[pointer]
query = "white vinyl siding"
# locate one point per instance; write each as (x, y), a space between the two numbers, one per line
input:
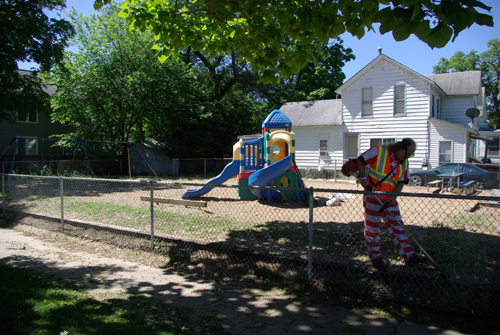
(453, 109)
(362, 126)
(382, 78)
(307, 140)
(442, 132)
(399, 100)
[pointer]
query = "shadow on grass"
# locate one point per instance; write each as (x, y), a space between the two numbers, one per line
(274, 255)
(39, 303)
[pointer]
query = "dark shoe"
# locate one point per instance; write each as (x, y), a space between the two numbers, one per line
(379, 264)
(416, 259)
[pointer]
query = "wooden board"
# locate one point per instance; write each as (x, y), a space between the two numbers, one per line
(484, 204)
(489, 204)
(183, 202)
(435, 183)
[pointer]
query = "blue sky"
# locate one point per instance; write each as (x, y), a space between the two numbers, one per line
(412, 52)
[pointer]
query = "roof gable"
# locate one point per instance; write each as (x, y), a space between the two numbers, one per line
(381, 57)
(314, 113)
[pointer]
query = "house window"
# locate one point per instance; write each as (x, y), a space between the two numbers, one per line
(493, 147)
(381, 141)
(444, 152)
(367, 102)
(31, 117)
(432, 105)
(323, 147)
(352, 146)
(438, 108)
(28, 146)
(399, 100)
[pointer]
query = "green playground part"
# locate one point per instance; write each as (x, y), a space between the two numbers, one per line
(288, 179)
(244, 193)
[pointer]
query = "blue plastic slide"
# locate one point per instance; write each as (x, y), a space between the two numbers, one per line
(229, 171)
(265, 176)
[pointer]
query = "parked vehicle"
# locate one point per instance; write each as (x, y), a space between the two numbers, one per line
(483, 178)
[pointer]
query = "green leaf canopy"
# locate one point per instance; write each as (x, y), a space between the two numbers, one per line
(261, 31)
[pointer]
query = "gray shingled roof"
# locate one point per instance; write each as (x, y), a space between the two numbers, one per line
(47, 88)
(458, 83)
(314, 113)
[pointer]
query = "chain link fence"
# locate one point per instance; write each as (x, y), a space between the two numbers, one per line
(485, 176)
(316, 240)
(117, 167)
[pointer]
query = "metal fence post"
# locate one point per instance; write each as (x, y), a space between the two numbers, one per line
(61, 185)
(152, 214)
(311, 217)
(335, 171)
(205, 166)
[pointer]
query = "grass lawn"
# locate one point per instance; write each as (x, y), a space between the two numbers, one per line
(33, 304)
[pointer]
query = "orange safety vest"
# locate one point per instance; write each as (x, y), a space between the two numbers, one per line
(379, 169)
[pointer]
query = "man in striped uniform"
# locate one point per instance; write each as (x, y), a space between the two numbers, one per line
(385, 169)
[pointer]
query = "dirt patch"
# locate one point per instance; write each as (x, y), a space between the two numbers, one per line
(250, 238)
(202, 300)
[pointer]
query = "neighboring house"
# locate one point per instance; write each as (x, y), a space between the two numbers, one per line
(387, 101)
(31, 132)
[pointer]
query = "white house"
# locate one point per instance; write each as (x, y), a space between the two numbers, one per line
(387, 101)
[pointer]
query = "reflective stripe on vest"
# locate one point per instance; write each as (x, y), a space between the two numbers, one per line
(380, 169)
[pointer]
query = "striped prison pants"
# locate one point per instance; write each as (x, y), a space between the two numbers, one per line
(372, 228)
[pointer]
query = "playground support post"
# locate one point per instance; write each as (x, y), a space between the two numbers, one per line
(311, 219)
(87, 156)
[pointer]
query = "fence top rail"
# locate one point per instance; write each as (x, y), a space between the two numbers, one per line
(311, 189)
(78, 178)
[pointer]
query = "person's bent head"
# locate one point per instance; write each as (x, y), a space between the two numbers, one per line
(403, 149)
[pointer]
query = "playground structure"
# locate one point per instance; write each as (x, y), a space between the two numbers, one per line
(266, 161)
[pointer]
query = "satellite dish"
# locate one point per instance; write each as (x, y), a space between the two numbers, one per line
(472, 113)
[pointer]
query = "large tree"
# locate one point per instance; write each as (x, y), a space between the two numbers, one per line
(490, 67)
(280, 37)
(28, 34)
(235, 103)
(489, 64)
(316, 81)
(114, 88)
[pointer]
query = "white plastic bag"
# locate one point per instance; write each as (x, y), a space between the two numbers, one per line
(333, 202)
